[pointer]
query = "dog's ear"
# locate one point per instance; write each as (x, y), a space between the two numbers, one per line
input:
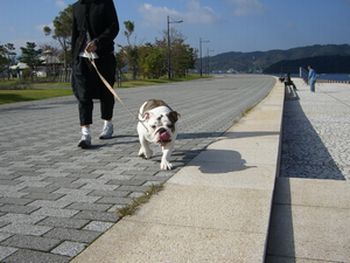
(145, 116)
(173, 116)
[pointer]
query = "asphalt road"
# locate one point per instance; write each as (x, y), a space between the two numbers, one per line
(56, 198)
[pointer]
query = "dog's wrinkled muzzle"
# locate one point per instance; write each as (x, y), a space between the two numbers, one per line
(164, 136)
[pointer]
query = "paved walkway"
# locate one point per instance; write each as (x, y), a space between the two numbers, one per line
(56, 199)
(310, 220)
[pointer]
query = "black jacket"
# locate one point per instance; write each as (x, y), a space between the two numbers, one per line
(99, 17)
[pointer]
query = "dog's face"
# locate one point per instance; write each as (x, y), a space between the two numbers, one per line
(161, 125)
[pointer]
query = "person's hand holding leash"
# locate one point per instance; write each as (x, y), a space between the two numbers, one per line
(91, 47)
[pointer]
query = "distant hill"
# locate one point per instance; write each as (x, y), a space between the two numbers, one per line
(259, 61)
(322, 64)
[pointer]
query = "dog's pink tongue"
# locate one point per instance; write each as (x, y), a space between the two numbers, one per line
(164, 136)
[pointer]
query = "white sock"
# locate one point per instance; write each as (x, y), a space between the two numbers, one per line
(107, 123)
(85, 130)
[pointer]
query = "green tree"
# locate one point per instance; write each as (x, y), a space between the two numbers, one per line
(7, 57)
(62, 33)
(31, 56)
(120, 62)
(152, 61)
(131, 50)
(183, 57)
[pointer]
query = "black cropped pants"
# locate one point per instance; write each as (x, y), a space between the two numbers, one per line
(87, 86)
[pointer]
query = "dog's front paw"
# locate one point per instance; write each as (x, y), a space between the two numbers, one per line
(165, 165)
(143, 153)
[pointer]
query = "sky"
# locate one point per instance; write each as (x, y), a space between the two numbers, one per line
(223, 25)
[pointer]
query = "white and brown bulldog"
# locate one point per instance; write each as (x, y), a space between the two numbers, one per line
(157, 124)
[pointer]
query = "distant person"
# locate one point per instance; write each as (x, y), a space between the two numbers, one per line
(312, 78)
(288, 82)
(95, 26)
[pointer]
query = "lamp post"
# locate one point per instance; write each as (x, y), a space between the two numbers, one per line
(169, 21)
(208, 56)
(201, 41)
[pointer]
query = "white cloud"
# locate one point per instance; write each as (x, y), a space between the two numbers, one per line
(198, 14)
(246, 7)
(194, 14)
(155, 15)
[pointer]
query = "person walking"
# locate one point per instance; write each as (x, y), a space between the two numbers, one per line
(95, 26)
(312, 78)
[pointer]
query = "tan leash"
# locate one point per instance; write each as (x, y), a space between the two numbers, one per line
(105, 82)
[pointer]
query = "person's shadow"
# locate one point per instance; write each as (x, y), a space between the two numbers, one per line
(304, 155)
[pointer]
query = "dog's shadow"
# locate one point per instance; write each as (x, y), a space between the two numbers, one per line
(213, 161)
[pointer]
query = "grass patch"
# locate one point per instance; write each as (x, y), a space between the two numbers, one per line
(248, 110)
(148, 82)
(137, 202)
(12, 91)
(52, 85)
(11, 96)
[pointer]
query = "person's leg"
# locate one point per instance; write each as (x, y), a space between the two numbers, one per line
(107, 69)
(82, 92)
(107, 105)
(85, 116)
(293, 85)
(85, 112)
(312, 86)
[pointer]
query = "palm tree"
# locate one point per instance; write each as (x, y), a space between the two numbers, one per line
(131, 50)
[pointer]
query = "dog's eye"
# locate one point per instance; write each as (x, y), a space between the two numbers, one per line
(153, 127)
(170, 126)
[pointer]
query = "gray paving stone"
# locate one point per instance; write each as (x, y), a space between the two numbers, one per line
(4, 236)
(2, 224)
(31, 242)
(56, 212)
(84, 236)
(114, 200)
(63, 222)
(32, 256)
(115, 193)
(70, 249)
(48, 189)
(68, 185)
(128, 182)
(60, 179)
(9, 182)
(97, 215)
(6, 251)
(19, 209)
(25, 229)
(16, 201)
(98, 226)
(100, 186)
(42, 196)
(89, 206)
(143, 188)
(21, 218)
